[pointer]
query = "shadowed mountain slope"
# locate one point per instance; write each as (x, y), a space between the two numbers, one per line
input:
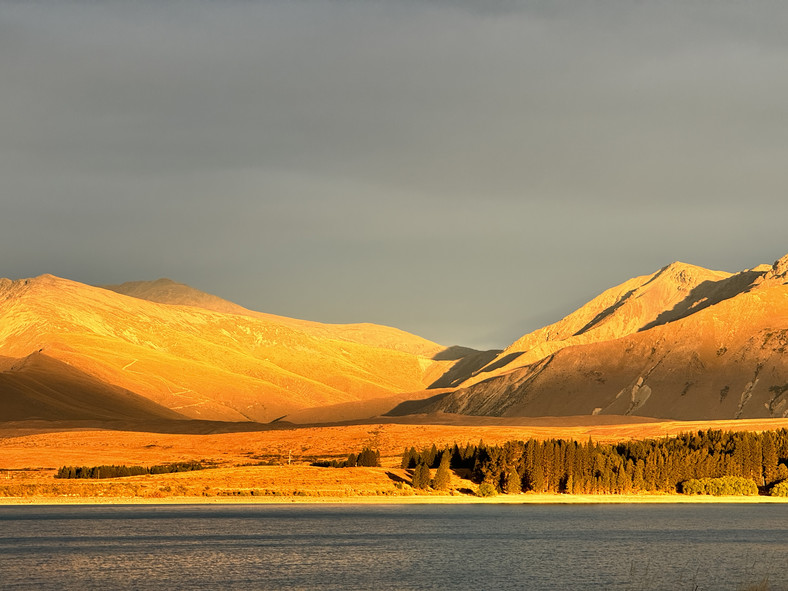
(38, 387)
(684, 343)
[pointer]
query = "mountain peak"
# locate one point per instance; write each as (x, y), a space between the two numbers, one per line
(777, 274)
(681, 273)
(780, 267)
(46, 277)
(19, 286)
(677, 266)
(167, 291)
(43, 279)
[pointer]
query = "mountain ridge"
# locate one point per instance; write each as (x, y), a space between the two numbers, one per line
(619, 310)
(717, 353)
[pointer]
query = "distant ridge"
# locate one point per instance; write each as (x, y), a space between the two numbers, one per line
(167, 291)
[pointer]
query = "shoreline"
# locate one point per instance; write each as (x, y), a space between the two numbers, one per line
(522, 499)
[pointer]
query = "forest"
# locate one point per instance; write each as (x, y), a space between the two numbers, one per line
(702, 462)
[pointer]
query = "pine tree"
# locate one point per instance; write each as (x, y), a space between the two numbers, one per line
(512, 483)
(770, 459)
(405, 462)
(429, 456)
(442, 479)
(421, 476)
(456, 457)
(468, 455)
(537, 478)
(569, 485)
(369, 458)
(638, 480)
(623, 484)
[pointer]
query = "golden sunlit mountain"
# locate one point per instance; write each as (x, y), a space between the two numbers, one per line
(683, 343)
(190, 355)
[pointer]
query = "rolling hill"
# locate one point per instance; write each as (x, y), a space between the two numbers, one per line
(193, 355)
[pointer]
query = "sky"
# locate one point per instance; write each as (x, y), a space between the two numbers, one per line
(466, 171)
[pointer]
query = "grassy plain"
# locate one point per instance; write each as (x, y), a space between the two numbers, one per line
(272, 465)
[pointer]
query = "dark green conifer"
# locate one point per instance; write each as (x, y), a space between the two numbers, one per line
(537, 478)
(421, 476)
(770, 459)
(368, 458)
(405, 462)
(512, 483)
(638, 479)
(442, 479)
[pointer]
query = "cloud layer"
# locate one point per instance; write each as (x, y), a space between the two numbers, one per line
(464, 174)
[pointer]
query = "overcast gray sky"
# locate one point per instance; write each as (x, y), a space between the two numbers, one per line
(467, 174)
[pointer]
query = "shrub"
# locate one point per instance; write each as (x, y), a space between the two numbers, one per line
(486, 489)
(726, 485)
(780, 489)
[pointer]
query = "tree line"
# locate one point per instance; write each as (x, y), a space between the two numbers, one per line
(367, 457)
(121, 471)
(652, 465)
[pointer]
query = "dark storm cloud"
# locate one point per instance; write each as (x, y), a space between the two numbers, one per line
(463, 170)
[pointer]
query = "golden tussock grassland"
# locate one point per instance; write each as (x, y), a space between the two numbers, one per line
(273, 465)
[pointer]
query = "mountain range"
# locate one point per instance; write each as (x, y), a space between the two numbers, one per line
(681, 343)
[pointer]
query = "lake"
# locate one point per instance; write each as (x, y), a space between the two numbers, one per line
(475, 547)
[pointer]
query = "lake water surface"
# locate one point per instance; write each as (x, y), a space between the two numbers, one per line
(394, 547)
